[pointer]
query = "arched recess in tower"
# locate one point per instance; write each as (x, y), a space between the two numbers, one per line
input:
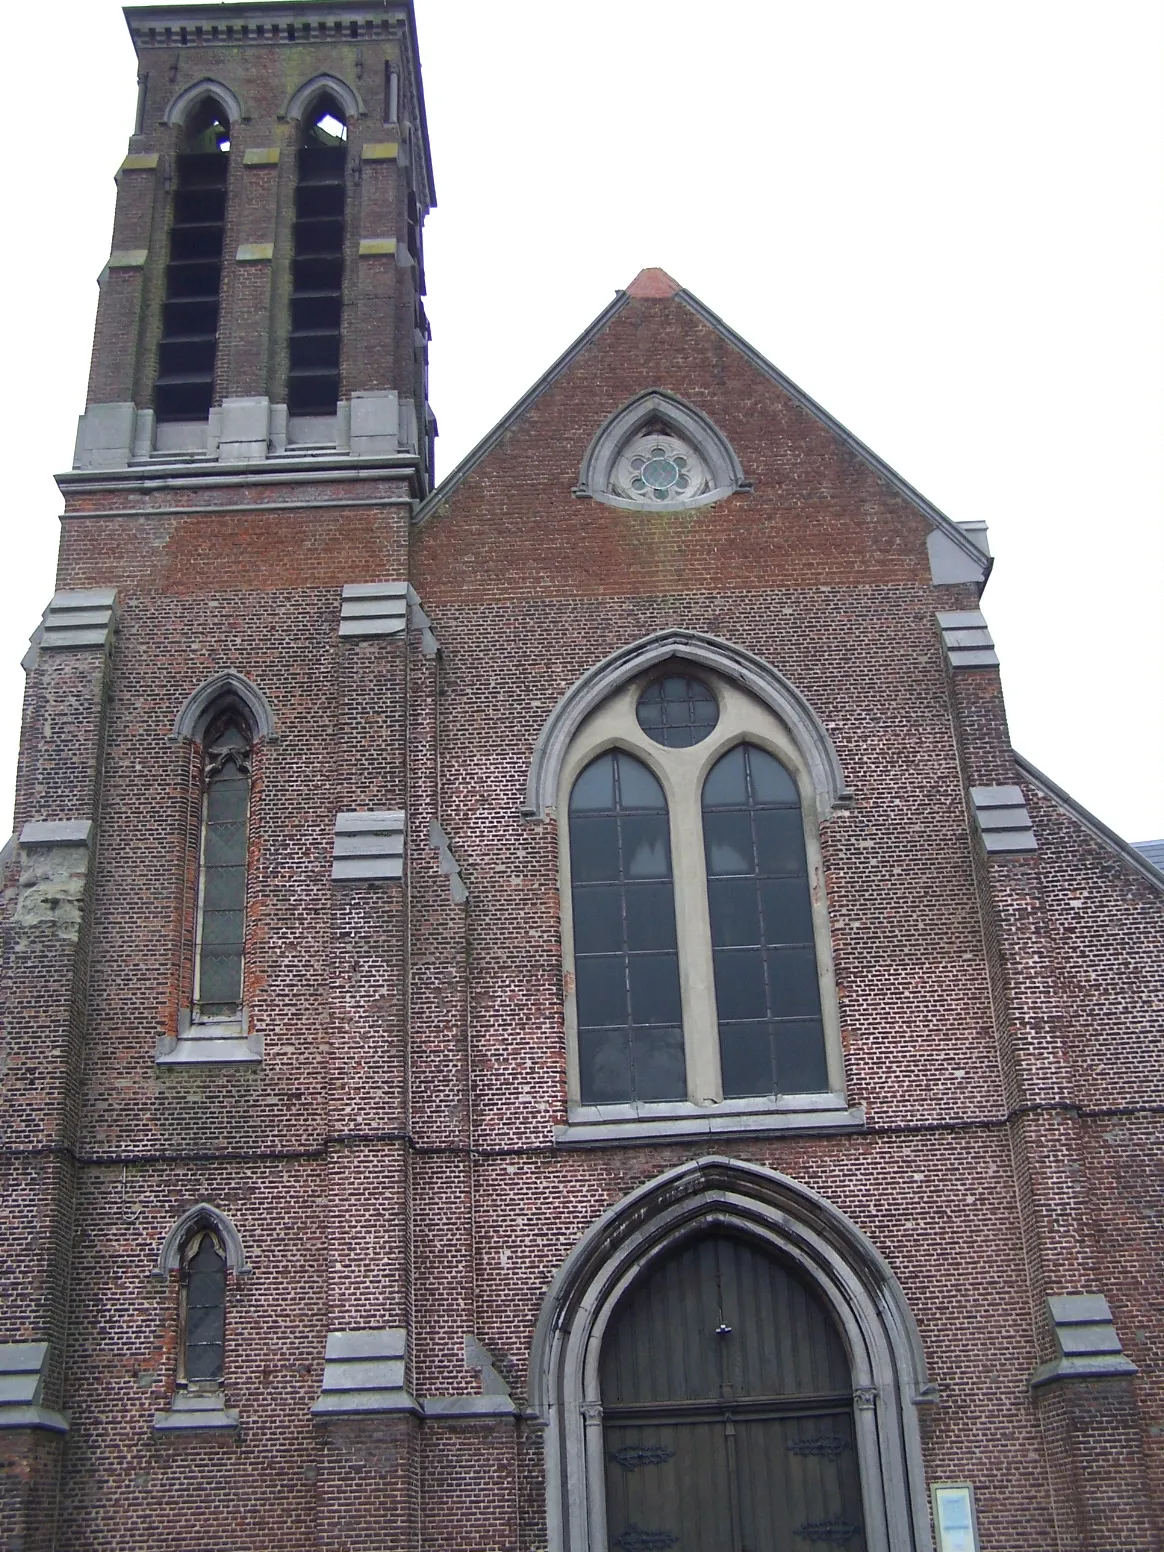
(184, 386)
(313, 356)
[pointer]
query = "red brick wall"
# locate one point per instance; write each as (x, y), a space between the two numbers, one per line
(392, 1161)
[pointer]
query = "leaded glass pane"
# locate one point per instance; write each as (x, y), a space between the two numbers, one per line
(800, 1056)
(766, 977)
(223, 880)
(626, 964)
(204, 1300)
(677, 711)
(659, 1065)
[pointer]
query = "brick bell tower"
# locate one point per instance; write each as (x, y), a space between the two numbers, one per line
(204, 929)
(263, 298)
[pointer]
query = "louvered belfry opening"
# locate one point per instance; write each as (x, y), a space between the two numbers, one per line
(184, 389)
(728, 1408)
(318, 264)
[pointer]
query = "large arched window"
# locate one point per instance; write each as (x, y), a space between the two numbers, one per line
(220, 937)
(725, 910)
(184, 387)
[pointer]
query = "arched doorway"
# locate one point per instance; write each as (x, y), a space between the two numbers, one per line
(804, 1246)
(727, 1402)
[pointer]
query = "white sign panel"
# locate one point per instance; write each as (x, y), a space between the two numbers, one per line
(954, 1518)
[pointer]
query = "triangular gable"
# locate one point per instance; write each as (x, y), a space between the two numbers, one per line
(656, 283)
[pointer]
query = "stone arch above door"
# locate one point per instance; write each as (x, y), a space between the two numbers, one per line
(808, 1234)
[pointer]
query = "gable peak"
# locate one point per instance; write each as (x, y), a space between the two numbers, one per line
(653, 282)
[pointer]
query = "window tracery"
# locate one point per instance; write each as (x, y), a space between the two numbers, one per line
(658, 452)
(660, 468)
(695, 933)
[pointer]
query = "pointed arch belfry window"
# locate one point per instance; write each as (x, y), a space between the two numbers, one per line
(659, 452)
(184, 386)
(220, 937)
(313, 356)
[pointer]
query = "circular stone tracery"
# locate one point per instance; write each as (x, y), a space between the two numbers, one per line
(659, 469)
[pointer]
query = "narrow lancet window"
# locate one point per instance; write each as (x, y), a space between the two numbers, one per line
(767, 985)
(203, 1310)
(313, 381)
(626, 962)
(184, 389)
(222, 885)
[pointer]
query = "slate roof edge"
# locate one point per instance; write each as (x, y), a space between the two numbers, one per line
(914, 496)
(1095, 827)
(491, 438)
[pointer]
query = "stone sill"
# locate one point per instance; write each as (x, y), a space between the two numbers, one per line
(614, 1125)
(187, 1412)
(209, 1043)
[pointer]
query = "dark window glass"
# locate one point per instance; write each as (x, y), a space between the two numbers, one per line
(626, 964)
(677, 711)
(203, 1308)
(767, 990)
(223, 883)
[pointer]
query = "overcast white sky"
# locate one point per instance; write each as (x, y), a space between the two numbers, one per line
(944, 220)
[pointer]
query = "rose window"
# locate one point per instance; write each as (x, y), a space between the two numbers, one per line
(659, 469)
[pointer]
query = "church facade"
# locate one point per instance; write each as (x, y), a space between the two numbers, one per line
(540, 1011)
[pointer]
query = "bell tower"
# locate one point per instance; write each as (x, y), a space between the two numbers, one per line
(203, 933)
(263, 300)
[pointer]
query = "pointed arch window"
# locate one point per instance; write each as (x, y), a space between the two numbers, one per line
(222, 874)
(698, 955)
(202, 1310)
(626, 962)
(659, 452)
(313, 365)
(767, 985)
(184, 387)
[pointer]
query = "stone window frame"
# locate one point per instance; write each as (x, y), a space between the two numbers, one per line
(612, 724)
(776, 1213)
(199, 1405)
(217, 1040)
(682, 421)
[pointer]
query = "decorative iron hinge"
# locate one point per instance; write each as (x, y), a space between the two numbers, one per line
(838, 1532)
(830, 1445)
(632, 1456)
(634, 1539)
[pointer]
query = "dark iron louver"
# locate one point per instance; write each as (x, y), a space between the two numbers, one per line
(184, 389)
(317, 281)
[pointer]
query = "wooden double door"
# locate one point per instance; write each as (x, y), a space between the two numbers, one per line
(728, 1410)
